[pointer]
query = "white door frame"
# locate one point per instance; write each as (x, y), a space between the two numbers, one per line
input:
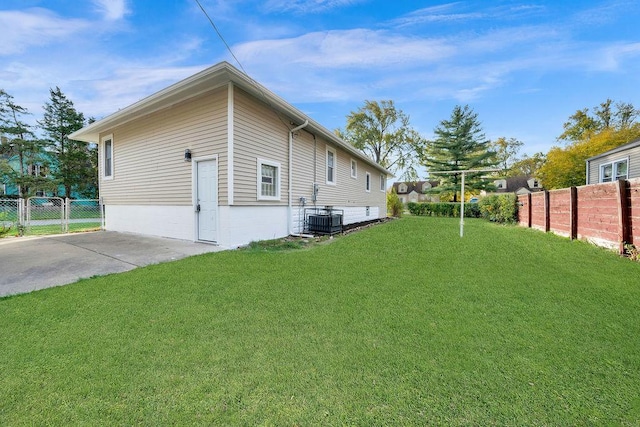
(194, 195)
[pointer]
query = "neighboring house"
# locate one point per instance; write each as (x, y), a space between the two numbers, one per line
(415, 192)
(219, 158)
(36, 170)
(622, 162)
(522, 184)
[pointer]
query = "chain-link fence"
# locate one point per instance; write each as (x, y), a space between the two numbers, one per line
(10, 214)
(49, 215)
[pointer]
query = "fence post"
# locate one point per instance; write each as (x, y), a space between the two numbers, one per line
(573, 212)
(67, 210)
(529, 210)
(623, 214)
(547, 212)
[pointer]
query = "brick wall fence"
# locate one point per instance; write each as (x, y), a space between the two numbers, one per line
(606, 214)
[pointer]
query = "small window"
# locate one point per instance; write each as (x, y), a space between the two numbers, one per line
(368, 182)
(383, 183)
(107, 154)
(614, 171)
(331, 166)
(620, 169)
(402, 188)
(268, 180)
(354, 169)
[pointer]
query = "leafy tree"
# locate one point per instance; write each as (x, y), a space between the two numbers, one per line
(18, 142)
(566, 167)
(588, 135)
(460, 144)
(506, 151)
(527, 165)
(74, 163)
(385, 135)
(582, 125)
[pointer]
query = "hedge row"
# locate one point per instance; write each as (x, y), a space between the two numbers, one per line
(471, 210)
(502, 208)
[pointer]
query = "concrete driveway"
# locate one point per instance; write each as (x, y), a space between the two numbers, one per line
(31, 263)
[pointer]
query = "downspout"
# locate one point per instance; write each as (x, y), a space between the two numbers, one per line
(290, 202)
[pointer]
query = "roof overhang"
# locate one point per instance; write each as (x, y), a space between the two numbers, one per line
(626, 146)
(204, 81)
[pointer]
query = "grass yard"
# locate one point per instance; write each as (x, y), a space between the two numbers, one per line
(399, 324)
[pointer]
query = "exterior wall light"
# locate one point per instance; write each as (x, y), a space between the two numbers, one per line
(187, 155)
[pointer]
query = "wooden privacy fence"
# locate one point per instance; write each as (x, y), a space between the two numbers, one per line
(606, 214)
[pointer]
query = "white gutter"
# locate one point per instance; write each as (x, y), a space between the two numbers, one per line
(290, 203)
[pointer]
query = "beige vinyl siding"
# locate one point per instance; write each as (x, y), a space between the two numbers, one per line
(347, 192)
(258, 133)
(633, 154)
(148, 153)
(303, 172)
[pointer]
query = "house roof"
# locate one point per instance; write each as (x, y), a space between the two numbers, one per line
(414, 186)
(517, 183)
(212, 77)
(620, 148)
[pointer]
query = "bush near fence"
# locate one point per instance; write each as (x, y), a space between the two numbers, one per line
(502, 208)
(471, 210)
(606, 214)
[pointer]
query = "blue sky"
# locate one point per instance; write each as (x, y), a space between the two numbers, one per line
(523, 66)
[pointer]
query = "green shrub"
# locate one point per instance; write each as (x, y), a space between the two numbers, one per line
(502, 208)
(5, 227)
(394, 205)
(444, 209)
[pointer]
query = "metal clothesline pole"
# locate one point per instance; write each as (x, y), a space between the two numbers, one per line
(462, 189)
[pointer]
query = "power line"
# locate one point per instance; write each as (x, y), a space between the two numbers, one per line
(220, 35)
(255, 84)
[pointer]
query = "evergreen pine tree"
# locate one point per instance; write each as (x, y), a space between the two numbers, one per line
(460, 144)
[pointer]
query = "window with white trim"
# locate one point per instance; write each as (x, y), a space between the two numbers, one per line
(368, 182)
(383, 183)
(268, 180)
(332, 161)
(354, 169)
(107, 157)
(614, 171)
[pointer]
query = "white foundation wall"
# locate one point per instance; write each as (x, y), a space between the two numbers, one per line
(176, 222)
(352, 214)
(237, 225)
(240, 225)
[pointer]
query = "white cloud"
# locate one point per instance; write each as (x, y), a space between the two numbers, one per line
(35, 27)
(307, 6)
(358, 48)
(112, 10)
(128, 85)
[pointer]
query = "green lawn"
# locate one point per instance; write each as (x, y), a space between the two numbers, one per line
(399, 324)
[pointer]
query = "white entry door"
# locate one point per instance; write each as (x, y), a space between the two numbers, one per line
(207, 200)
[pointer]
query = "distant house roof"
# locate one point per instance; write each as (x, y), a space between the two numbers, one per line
(416, 186)
(519, 184)
(624, 147)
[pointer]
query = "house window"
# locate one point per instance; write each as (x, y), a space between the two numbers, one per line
(614, 171)
(354, 169)
(368, 182)
(383, 183)
(37, 170)
(107, 154)
(331, 166)
(268, 180)
(402, 188)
